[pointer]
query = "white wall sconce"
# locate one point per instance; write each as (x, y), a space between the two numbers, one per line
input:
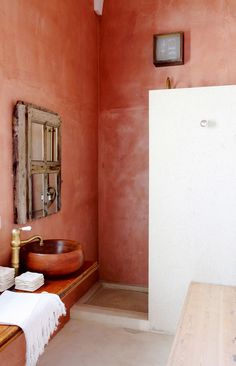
(98, 6)
(204, 123)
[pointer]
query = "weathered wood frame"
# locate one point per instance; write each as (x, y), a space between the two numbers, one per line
(23, 165)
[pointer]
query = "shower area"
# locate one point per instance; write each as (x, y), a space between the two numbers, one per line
(116, 304)
(109, 296)
(192, 210)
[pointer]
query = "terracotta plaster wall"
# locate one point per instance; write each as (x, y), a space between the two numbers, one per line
(127, 73)
(49, 56)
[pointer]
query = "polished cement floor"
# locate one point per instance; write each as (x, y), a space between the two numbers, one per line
(119, 299)
(103, 341)
(86, 343)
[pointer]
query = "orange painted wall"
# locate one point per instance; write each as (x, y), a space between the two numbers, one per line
(127, 73)
(49, 56)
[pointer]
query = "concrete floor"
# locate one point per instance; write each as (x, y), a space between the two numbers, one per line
(86, 343)
(120, 299)
(98, 332)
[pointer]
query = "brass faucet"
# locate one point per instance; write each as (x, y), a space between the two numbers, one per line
(16, 244)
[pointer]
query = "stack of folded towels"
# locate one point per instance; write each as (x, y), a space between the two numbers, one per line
(29, 281)
(6, 278)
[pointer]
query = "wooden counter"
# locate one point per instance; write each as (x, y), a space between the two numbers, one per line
(206, 334)
(69, 288)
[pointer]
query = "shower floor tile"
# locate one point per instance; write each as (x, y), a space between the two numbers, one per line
(119, 299)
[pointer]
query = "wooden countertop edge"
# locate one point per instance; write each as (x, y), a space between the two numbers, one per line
(78, 280)
(13, 331)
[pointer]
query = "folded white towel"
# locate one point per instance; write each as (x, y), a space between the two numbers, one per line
(29, 281)
(7, 284)
(29, 277)
(36, 314)
(6, 273)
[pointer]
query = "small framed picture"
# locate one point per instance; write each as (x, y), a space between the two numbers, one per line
(168, 49)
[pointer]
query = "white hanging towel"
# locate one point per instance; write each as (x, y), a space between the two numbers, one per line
(36, 314)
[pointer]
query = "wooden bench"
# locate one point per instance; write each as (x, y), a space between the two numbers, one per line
(206, 335)
(70, 289)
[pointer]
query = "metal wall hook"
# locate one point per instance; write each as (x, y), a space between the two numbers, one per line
(168, 83)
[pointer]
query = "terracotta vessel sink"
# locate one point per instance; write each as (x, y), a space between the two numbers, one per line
(56, 257)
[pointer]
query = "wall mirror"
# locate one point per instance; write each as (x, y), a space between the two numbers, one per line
(36, 162)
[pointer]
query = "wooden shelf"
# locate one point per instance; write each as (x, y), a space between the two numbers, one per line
(69, 288)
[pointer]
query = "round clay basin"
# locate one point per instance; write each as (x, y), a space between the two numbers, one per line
(56, 257)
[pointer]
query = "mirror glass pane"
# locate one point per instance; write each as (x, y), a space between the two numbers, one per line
(52, 193)
(55, 144)
(37, 150)
(52, 139)
(49, 143)
(37, 195)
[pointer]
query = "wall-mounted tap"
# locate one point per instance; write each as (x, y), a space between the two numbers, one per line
(17, 243)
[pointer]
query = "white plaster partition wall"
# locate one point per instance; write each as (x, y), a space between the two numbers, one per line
(192, 196)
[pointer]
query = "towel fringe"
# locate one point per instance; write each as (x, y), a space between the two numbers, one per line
(39, 337)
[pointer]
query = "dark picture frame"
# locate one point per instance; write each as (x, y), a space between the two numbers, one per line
(168, 49)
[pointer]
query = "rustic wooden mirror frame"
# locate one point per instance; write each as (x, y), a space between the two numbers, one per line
(25, 168)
